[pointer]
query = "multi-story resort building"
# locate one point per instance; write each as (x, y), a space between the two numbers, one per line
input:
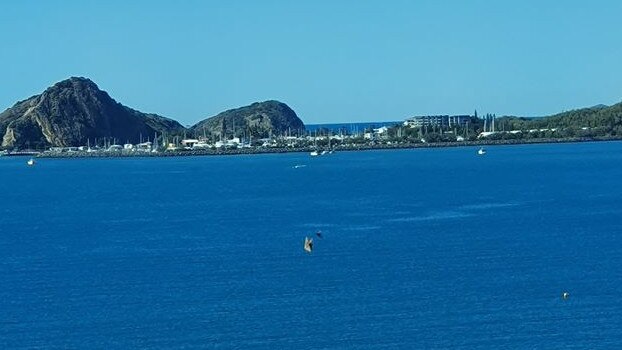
(445, 121)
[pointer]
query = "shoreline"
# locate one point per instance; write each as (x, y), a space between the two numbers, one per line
(351, 148)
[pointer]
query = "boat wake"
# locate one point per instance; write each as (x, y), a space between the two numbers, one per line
(488, 206)
(445, 215)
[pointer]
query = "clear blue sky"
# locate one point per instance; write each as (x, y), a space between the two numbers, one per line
(331, 61)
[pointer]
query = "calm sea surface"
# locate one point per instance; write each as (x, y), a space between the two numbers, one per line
(427, 248)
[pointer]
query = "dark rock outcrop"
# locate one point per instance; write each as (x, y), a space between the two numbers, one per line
(260, 119)
(72, 112)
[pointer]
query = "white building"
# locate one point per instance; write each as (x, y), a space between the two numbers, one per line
(189, 142)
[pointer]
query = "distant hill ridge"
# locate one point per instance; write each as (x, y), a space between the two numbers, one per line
(73, 111)
(607, 118)
(259, 119)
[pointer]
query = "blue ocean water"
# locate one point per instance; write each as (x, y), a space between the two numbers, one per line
(425, 248)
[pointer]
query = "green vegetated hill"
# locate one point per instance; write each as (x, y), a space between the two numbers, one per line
(599, 120)
(74, 111)
(260, 119)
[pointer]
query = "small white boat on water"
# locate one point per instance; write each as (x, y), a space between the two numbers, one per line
(308, 246)
(481, 151)
(314, 154)
(30, 162)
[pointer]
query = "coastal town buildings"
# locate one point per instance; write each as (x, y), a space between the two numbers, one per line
(448, 121)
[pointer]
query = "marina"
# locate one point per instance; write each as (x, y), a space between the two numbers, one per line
(310, 150)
